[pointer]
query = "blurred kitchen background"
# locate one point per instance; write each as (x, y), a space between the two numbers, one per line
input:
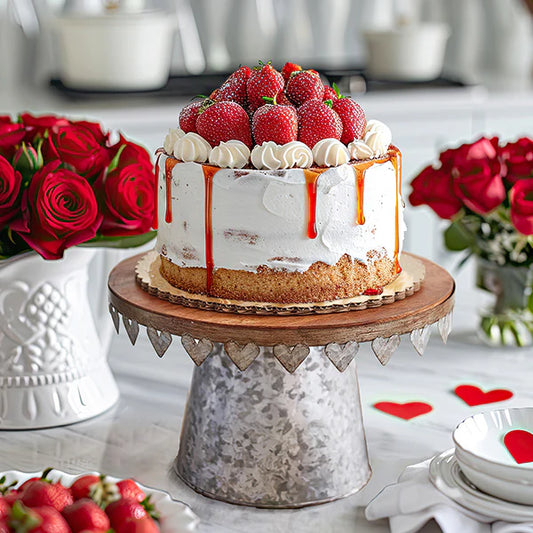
(437, 72)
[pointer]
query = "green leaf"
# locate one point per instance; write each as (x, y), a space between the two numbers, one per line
(329, 103)
(457, 237)
(128, 241)
(337, 91)
(114, 162)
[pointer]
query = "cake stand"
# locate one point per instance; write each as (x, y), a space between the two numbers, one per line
(273, 418)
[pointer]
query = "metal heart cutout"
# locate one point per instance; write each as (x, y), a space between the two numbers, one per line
(420, 339)
(445, 326)
(242, 356)
(198, 350)
(160, 340)
(341, 355)
(291, 357)
(132, 328)
(384, 348)
(114, 315)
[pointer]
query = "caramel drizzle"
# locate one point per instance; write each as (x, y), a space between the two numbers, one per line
(311, 182)
(170, 163)
(396, 160)
(155, 222)
(209, 174)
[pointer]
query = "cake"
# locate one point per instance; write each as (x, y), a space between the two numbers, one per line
(310, 210)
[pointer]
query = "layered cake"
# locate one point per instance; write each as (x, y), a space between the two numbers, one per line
(277, 189)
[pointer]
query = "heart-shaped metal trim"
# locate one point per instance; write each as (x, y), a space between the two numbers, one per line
(242, 356)
(132, 328)
(291, 357)
(160, 340)
(384, 348)
(341, 355)
(115, 317)
(198, 349)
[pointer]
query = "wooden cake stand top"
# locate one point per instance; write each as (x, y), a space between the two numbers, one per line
(432, 302)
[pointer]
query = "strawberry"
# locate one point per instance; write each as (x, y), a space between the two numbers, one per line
(264, 80)
(4, 526)
(234, 88)
(85, 514)
(282, 99)
(129, 489)
(42, 493)
(272, 122)
(317, 121)
(352, 117)
(37, 520)
(144, 525)
(304, 86)
(224, 121)
(12, 496)
(81, 488)
(288, 69)
(124, 509)
(329, 93)
(5, 507)
(188, 116)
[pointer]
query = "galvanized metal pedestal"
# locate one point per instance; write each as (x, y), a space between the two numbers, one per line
(273, 417)
(269, 438)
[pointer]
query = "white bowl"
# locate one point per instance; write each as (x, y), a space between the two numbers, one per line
(116, 51)
(407, 53)
(485, 460)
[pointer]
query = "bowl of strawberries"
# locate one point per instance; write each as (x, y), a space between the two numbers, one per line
(55, 502)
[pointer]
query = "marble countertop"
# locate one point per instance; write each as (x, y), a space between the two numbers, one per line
(139, 436)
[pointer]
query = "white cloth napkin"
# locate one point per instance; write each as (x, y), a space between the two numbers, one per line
(413, 501)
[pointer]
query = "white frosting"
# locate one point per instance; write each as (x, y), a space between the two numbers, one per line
(170, 140)
(230, 154)
(260, 217)
(295, 154)
(360, 150)
(266, 156)
(192, 147)
(330, 153)
(378, 137)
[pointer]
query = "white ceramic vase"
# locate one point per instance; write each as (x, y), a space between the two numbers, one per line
(53, 348)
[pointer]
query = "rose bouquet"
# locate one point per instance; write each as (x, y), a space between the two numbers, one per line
(65, 183)
(485, 190)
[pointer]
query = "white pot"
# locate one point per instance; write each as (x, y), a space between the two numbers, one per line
(115, 51)
(407, 53)
(53, 366)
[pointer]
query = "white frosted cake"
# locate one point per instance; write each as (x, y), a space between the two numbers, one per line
(280, 222)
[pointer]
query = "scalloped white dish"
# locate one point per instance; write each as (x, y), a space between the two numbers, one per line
(176, 517)
(484, 458)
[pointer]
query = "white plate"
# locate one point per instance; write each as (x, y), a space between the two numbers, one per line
(446, 476)
(176, 517)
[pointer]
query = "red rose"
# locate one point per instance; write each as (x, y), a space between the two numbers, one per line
(481, 149)
(76, 146)
(433, 187)
(127, 196)
(131, 153)
(10, 181)
(95, 130)
(478, 183)
(59, 210)
(11, 135)
(39, 125)
(518, 158)
(521, 196)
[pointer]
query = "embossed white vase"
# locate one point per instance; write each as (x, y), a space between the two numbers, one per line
(53, 348)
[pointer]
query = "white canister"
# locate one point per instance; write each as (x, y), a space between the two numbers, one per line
(115, 51)
(413, 52)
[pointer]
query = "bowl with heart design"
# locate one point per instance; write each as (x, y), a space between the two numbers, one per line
(495, 452)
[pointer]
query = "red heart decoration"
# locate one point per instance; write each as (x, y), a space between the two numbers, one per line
(404, 410)
(472, 395)
(520, 445)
